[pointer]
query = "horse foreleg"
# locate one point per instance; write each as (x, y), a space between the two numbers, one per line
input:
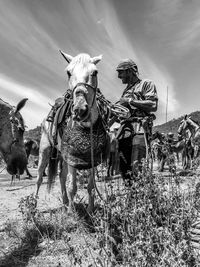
(62, 176)
(71, 188)
(161, 164)
(12, 179)
(42, 164)
(91, 192)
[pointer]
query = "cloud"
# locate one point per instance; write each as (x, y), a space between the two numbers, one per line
(37, 105)
(181, 23)
(189, 36)
(127, 46)
(20, 90)
(82, 26)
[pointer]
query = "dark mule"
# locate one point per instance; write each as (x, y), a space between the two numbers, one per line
(84, 138)
(11, 137)
(32, 148)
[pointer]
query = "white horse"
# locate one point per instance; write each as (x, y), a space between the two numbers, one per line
(84, 140)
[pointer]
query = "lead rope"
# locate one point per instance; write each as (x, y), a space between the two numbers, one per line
(92, 158)
(148, 151)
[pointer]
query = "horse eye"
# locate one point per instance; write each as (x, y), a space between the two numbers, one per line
(69, 74)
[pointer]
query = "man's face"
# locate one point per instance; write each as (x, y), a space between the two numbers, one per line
(127, 76)
(123, 75)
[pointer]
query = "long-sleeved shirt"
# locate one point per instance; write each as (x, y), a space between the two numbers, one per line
(142, 90)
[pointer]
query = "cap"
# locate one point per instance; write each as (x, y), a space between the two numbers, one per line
(127, 64)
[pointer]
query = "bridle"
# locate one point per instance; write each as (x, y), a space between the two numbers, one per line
(15, 123)
(182, 128)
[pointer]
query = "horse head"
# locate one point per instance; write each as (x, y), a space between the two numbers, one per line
(183, 126)
(82, 79)
(11, 137)
(187, 127)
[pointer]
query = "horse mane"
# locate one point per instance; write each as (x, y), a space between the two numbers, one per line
(194, 121)
(2, 102)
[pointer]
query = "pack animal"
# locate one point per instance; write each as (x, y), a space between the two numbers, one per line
(84, 138)
(12, 137)
(188, 125)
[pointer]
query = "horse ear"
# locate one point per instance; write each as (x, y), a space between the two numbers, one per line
(20, 105)
(96, 60)
(185, 116)
(67, 57)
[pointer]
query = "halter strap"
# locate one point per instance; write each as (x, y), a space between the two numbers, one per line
(14, 123)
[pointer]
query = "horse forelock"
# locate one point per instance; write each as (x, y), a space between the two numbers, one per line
(83, 60)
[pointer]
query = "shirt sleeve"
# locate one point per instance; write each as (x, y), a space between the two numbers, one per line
(149, 90)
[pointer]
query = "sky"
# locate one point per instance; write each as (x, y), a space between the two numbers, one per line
(161, 36)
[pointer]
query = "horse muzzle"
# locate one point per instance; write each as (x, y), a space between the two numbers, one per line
(80, 110)
(16, 164)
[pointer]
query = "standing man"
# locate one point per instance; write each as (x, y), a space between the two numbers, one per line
(140, 97)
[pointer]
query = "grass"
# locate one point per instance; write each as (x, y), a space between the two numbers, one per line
(147, 224)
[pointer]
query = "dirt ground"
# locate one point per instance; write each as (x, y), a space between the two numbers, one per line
(10, 194)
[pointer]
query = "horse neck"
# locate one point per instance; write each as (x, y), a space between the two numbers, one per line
(4, 115)
(5, 126)
(192, 127)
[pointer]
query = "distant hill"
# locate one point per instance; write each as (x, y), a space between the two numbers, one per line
(172, 126)
(33, 133)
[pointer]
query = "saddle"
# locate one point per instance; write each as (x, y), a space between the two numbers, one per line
(61, 109)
